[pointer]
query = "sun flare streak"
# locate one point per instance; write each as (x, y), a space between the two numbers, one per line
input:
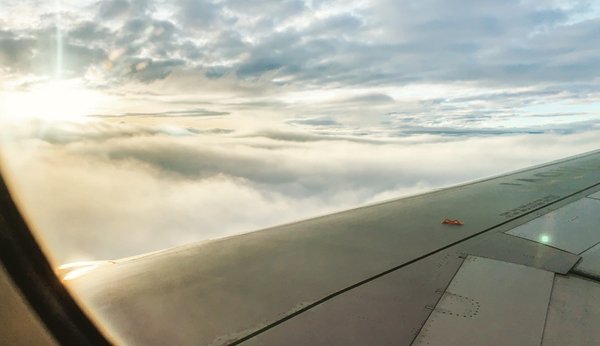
(59, 41)
(74, 270)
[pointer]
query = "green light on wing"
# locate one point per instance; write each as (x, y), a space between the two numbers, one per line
(544, 238)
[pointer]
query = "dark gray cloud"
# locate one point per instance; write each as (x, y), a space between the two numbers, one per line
(344, 25)
(147, 70)
(371, 98)
(89, 32)
(113, 8)
(326, 122)
(198, 112)
(303, 136)
(198, 14)
(14, 51)
(95, 132)
(116, 9)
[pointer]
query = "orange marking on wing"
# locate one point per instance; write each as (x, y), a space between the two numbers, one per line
(452, 222)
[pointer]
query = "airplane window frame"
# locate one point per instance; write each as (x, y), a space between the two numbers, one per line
(32, 274)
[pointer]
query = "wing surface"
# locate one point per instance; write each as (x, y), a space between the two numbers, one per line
(390, 273)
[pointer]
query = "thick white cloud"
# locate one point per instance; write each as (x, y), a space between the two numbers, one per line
(110, 190)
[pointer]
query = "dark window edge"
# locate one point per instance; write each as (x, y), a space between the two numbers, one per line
(31, 272)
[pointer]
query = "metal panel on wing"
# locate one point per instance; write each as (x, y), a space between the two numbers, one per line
(504, 247)
(572, 228)
(590, 262)
(490, 302)
(574, 313)
(595, 195)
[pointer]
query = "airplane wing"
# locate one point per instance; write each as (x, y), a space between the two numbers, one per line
(516, 263)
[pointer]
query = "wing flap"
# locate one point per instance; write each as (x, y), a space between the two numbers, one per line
(590, 263)
(490, 302)
(503, 247)
(574, 313)
(572, 228)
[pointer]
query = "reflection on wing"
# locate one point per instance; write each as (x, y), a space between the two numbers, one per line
(370, 275)
(74, 270)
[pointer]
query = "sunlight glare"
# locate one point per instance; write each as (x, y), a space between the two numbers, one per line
(74, 270)
(544, 238)
(53, 101)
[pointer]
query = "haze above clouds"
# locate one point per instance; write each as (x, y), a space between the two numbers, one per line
(201, 119)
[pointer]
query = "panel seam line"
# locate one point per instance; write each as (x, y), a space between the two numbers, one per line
(548, 309)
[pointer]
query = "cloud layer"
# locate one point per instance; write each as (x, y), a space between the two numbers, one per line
(105, 190)
(218, 117)
(321, 43)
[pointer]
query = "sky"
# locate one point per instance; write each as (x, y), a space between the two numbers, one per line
(131, 126)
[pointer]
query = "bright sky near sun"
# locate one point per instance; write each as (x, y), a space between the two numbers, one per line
(467, 61)
(284, 108)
